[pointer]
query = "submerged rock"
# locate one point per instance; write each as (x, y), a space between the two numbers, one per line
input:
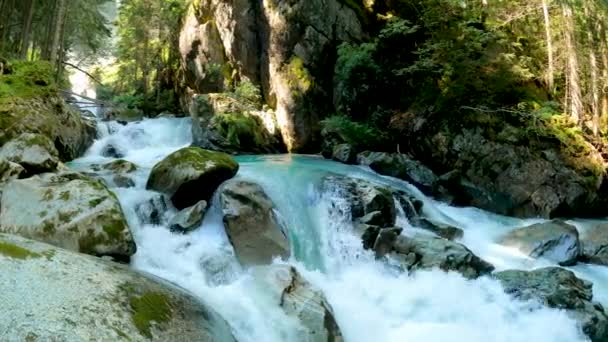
(251, 223)
(188, 219)
(556, 241)
(422, 252)
(556, 287)
(301, 300)
(152, 210)
(111, 151)
(50, 294)
(401, 166)
(595, 244)
(441, 230)
(191, 174)
(120, 166)
(68, 210)
(35, 152)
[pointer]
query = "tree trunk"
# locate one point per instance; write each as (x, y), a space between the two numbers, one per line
(573, 84)
(5, 21)
(593, 68)
(27, 28)
(45, 53)
(56, 37)
(550, 67)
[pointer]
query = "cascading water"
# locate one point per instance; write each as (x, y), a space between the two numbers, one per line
(371, 300)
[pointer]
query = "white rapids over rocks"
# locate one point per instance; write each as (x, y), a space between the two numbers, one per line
(371, 301)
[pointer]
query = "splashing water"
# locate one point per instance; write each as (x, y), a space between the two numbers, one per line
(371, 300)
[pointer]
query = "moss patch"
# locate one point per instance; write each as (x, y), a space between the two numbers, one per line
(13, 251)
(27, 80)
(150, 307)
(299, 76)
(240, 129)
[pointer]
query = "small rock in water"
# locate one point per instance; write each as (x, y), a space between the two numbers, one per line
(386, 240)
(444, 231)
(123, 181)
(595, 244)
(152, 210)
(188, 219)
(111, 152)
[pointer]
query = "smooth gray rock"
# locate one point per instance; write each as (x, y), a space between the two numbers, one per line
(188, 219)
(595, 244)
(35, 152)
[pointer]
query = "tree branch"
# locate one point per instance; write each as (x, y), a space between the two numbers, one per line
(84, 72)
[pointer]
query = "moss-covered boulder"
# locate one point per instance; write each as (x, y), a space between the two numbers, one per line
(9, 171)
(35, 152)
(191, 174)
(29, 103)
(68, 210)
(120, 166)
(51, 294)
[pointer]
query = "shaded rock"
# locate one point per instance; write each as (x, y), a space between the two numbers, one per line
(35, 152)
(152, 211)
(191, 174)
(188, 219)
(344, 153)
(9, 171)
(428, 252)
(120, 166)
(122, 181)
(556, 287)
(369, 234)
(111, 152)
(441, 230)
(401, 166)
(411, 206)
(556, 241)
(594, 242)
(386, 240)
(50, 294)
(375, 218)
(68, 210)
(252, 224)
(124, 115)
(301, 300)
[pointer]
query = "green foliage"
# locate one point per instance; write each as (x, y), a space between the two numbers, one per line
(359, 135)
(248, 92)
(240, 129)
(27, 80)
(150, 307)
(13, 251)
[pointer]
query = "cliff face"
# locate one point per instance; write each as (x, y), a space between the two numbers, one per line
(287, 48)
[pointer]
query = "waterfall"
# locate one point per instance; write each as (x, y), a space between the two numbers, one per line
(372, 300)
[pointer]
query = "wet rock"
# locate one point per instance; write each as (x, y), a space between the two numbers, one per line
(375, 218)
(386, 240)
(111, 152)
(251, 223)
(595, 244)
(429, 252)
(188, 219)
(401, 166)
(68, 210)
(300, 300)
(152, 211)
(344, 153)
(122, 181)
(120, 166)
(556, 241)
(191, 174)
(369, 234)
(411, 206)
(441, 230)
(35, 152)
(9, 171)
(51, 294)
(556, 287)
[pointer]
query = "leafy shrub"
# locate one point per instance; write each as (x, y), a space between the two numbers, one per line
(248, 92)
(360, 135)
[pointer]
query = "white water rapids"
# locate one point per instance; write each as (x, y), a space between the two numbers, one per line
(371, 301)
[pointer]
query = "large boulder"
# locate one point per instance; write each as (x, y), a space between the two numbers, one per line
(50, 294)
(68, 210)
(594, 241)
(422, 252)
(191, 174)
(251, 223)
(288, 48)
(225, 122)
(556, 241)
(69, 132)
(35, 152)
(401, 166)
(556, 287)
(300, 300)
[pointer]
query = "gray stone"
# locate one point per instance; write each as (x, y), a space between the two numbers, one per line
(595, 244)
(556, 241)
(251, 223)
(9, 171)
(68, 210)
(188, 219)
(50, 294)
(35, 152)
(344, 153)
(441, 230)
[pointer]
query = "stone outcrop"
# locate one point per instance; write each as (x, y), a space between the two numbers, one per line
(188, 219)
(191, 174)
(559, 288)
(594, 241)
(251, 223)
(556, 241)
(68, 210)
(35, 152)
(50, 294)
(287, 48)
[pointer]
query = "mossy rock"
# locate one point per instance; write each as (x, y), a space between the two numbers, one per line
(120, 166)
(35, 152)
(68, 210)
(191, 174)
(58, 295)
(9, 171)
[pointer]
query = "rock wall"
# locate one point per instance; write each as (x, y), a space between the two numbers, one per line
(287, 48)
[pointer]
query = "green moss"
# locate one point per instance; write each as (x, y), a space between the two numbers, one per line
(13, 251)
(115, 229)
(48, 228)
(240, 129)
(27, 80)
(121, 333)
(299, 76)
(50, 254)
(95, 202)
(150, 307)
(65, 196)
(197, 158)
